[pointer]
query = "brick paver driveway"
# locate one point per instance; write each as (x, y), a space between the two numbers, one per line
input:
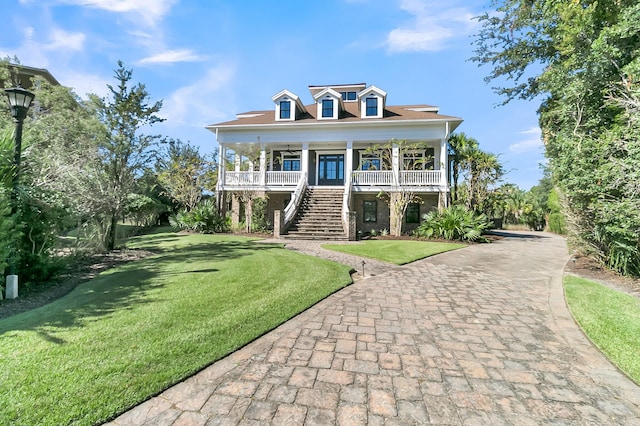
(476, 336)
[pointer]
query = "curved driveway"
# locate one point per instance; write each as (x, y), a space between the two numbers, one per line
(475, 336)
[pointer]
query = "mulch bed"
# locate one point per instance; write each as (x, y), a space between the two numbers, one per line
(588, 268)
(77, 272)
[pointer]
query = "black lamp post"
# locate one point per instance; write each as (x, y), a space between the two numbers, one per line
(20, 101)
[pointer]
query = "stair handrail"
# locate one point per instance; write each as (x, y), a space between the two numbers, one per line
(296, 198)
(346, 202)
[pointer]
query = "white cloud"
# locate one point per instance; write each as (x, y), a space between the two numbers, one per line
(432, 26)
(60, 39)
(532, 141)
(196, 103)
(150, 11)
(171, 56)
(83, 83)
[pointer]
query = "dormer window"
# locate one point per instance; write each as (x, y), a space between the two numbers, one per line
(285, 110)
(288, 106)
(329, 104)
(327, 108)
(372, 107)
(349, 96)
(372, 101)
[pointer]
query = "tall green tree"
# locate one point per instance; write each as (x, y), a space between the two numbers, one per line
(185, 174)
(125, 150)
(460, 148)
(582, 59)
(399, 196)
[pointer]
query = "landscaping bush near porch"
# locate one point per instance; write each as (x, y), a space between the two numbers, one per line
(137, 329)
(454, 223)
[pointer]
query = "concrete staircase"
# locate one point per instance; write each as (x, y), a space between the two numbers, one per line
(319, 216)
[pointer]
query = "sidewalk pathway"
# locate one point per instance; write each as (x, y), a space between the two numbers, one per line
(475, 336)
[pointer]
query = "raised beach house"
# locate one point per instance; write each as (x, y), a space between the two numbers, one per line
(329, 169)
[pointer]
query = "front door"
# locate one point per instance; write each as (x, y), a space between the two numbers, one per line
(331, 169)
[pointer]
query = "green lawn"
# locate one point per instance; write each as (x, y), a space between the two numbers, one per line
(399, 252)
(610, 318)
(137, 329)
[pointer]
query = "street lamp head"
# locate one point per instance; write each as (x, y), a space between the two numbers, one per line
(20, 101)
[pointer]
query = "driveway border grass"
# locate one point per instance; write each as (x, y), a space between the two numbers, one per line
(135, 330)
(610, 319)
(399, 252)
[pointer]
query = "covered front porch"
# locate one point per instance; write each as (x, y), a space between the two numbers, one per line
(264, 167)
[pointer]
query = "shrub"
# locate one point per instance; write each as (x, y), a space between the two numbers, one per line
(453, 223)
(259, 222)
(557, 223)
(203, 218)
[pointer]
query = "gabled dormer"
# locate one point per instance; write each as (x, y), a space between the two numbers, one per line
(329, 104)
(289, 107)
(372, 102)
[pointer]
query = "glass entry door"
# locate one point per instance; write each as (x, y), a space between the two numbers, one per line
(331, 169)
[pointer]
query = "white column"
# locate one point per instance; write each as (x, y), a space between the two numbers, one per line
(348, 160)
(304, 160)
(395, 163)
(444, 159)
(263, 165)
(237, 162)
(222, 151)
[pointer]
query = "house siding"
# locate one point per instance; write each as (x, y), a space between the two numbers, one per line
(428, 204)
(276, 201)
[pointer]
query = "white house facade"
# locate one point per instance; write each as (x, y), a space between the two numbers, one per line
(322, 168)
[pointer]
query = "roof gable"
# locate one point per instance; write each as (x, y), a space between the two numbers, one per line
(283, 96)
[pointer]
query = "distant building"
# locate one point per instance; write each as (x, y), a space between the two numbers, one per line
(315, 162)
(22, 75)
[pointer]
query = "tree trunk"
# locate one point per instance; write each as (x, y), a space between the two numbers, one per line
(111, 235)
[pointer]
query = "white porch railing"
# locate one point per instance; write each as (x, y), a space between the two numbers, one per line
(346, 202)
(242, 178)
(296, 197)
(253, 178)
(407, 177)
(372, 178)
(358, 178)
(420, 177)
(283, 178)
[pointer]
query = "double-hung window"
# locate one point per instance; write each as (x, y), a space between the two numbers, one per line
(370, 210)
(327, 108)
(370, 162)
(413, 213)
(372, 107)
(285, 110)
(418, 160)
(291, 163)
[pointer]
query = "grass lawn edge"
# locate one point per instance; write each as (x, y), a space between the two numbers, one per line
(227, 357)
(596, 343)
(340, 280)
(405, 261)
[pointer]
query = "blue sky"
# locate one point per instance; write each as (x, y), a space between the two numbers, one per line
(210, 59)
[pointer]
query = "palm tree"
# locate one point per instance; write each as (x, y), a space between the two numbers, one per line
(484, 171)
(461, 147)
